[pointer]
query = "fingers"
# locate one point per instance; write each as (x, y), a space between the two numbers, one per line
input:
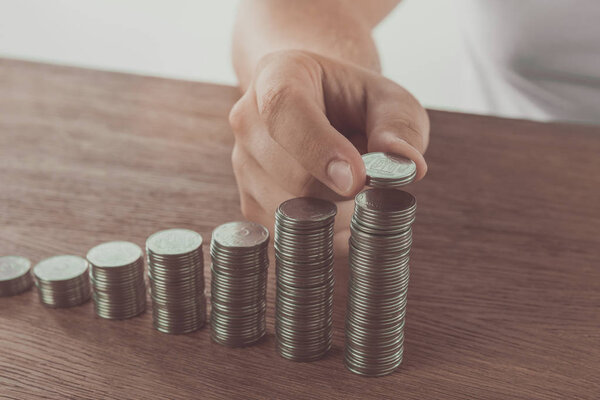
(294, 118)
(397, 123)
(251, 134)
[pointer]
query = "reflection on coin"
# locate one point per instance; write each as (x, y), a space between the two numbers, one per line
(388, 170)
(174, 241)
(114, 254)
(15, 275)
(62, 281)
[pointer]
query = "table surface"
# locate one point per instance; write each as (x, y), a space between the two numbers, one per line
(504, 299)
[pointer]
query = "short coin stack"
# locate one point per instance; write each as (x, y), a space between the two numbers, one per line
(118, 280)
(15, 275)
(176, 272)
(389, 171)
(240, 263)
(62, 281)
(379, 253)
(304, 269)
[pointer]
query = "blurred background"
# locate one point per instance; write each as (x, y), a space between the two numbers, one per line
(420, 43)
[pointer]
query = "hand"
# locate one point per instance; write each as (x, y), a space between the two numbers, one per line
(302, 125)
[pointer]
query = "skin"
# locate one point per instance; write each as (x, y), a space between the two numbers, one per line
(315, 100)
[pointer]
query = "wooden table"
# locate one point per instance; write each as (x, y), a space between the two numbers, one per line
(504, 300)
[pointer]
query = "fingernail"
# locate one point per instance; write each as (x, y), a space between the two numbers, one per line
(340, 174)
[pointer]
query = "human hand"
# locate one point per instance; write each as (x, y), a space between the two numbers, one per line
(302, 125)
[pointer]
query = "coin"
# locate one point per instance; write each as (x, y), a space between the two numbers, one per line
(388, 170)
(114, 254)
(62, 281)
(176, 273)
(304, 277)
(15, 275)
(174, 242)
(240, 262)
(117, 275)
(379, 248)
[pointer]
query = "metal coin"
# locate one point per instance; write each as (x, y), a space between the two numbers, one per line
(15, 276)
(389, 170)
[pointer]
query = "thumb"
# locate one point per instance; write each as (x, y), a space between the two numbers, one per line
(397, 123)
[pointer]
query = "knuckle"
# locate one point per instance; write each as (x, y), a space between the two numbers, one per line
(235, 117)
(272, 101)
(236, 160)
(245, 205)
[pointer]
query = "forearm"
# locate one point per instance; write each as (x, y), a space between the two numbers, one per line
(334, 28)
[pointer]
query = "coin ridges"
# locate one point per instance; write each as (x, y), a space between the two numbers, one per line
(239, 268)
(117, 275)
(379, 247)
(62, 281)
(387, 170)
(15, 276)
(176, 273)
(304, 276)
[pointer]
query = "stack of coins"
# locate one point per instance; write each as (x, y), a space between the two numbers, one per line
(304, 269)
(379, 253)
(389, 171)
(15, 276)
(118, 280)
(240, 262)
(62, 281)
(176, 272)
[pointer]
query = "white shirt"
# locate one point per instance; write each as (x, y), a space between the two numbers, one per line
(536, 59)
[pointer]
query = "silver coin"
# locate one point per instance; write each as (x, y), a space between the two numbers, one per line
(385, 200)
(307, 209)
(114, 254)
(174, 242)
(60, 268)
(176, 274)
(379, 247)
(304, 276)
(15, 276)
(240, 234)
(62, 281)
(386, 169)
(13, 267)
(239, 255)
(117, 276)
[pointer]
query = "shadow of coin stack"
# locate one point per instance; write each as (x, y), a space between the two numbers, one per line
(62, 281)
(118, 280)
(240, 263)
(380, 242)
(15, 275)
(176, 272)
(305, 280)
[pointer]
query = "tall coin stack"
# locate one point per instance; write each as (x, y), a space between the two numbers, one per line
(176, 272)
(380, 242)
(304, 269)
(118, 280)
(15, 275)
(62, 281)
(240, 263)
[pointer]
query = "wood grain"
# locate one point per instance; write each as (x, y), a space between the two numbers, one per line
(504, 300)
